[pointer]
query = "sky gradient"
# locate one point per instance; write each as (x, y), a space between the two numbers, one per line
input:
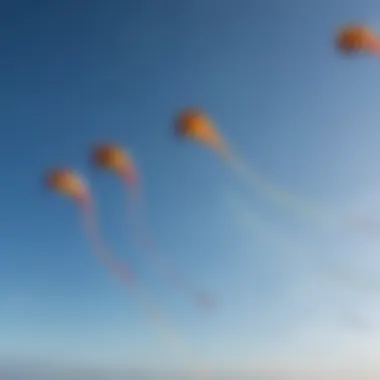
(74, 73)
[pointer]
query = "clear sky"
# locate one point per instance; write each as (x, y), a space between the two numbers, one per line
(76, 72)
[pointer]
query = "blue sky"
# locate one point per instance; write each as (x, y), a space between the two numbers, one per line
(73, 73)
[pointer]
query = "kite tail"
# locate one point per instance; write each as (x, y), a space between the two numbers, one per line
(118, 268)
(361, 224)
(274, 193)
(150, 249)
(124, 273)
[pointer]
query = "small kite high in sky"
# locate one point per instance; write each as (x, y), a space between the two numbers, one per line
(193, 124)
(354, 39)
(115, 159)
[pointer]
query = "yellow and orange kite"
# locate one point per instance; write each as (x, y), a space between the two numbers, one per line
(355, 39)
(68, 183)
(193, 124)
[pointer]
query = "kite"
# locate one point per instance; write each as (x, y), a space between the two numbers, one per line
(68, 183)
(193, 124)
(114, 159)
(355, 39)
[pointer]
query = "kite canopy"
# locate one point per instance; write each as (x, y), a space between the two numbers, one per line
(195, 125)
(114, 158)
(357, 38)
(67, 183)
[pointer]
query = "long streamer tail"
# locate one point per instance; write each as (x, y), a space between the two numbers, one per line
(297, 205)
(124, 273)
(153, 254)
(274, 193)
(320, 265)
(101, 250)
